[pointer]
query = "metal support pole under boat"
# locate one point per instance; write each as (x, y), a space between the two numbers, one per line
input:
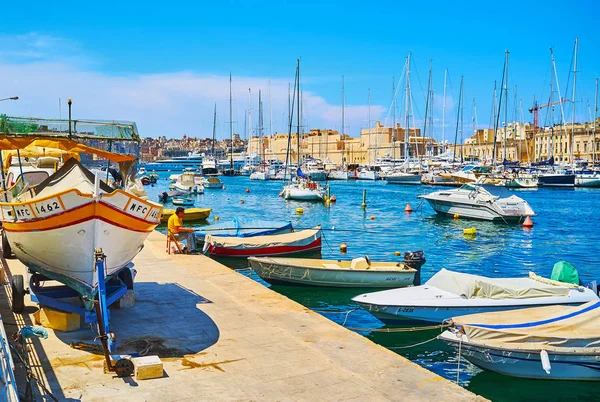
(123, 367)
(3, 178)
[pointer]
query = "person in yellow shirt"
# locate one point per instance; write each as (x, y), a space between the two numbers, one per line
(175, 227)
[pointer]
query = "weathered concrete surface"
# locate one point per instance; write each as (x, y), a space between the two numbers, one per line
(227, 338)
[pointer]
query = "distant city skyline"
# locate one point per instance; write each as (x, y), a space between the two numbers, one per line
(165, 68)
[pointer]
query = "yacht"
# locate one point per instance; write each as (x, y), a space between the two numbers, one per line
(475, 202)
(209, 167)
(176, 164)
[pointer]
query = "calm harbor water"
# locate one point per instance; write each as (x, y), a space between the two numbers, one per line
(566, 227)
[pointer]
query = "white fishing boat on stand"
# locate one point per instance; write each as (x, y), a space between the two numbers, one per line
(75, 229)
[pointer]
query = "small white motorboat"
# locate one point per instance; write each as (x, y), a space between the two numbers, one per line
(213, 182)
(553, 342)
(475, 202)
(449, 294)
(367, 174)
(337, 174)
(259, 175)
(183, 201)
(358, 273)
(186, 183)
(400, 177)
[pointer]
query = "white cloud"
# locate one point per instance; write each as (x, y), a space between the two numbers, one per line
(32, 67)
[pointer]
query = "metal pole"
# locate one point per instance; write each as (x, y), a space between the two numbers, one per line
(69, 102)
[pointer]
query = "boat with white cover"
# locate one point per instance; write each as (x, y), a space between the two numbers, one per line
(449, 294)
(475, 202)
(550, 343)
(360, 272)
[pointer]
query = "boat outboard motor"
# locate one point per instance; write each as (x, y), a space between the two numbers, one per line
(415, 259)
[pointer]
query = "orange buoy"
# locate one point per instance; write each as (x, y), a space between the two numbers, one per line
(408, 209)
(333, 199)
(247, 190)
(528, 223)
(372, 218)
(281, 194)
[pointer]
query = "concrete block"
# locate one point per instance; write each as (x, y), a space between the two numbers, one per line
(128, 299)
(147, 367)
(57, 320)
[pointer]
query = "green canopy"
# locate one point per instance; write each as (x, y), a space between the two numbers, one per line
(565, 272)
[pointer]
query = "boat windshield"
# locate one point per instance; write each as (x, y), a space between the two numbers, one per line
(469, 187)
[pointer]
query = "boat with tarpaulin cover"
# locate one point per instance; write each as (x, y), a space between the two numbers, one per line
(552, 342)
(281, 244)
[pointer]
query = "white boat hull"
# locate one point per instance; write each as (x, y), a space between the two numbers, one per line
(292, 192)
(337, 175)
(367, 175)
(342, 278)
(527, 364)
(259, 176)
(587, 180)
(69, 251)
(405, 178)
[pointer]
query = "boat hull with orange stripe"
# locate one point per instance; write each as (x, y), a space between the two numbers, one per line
(56, 235)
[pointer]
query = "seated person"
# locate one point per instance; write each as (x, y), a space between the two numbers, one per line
(175, 227)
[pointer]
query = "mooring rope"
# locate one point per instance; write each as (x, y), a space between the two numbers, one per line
(413, 345)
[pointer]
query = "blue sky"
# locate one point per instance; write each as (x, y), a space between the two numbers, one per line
(164, 65)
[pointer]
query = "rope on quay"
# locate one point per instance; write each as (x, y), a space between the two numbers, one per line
(401, 329)
(413, 345)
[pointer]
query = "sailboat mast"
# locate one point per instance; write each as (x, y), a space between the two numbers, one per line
(343, 122)
(595, 119)
(394, 121)
(427, 101)
(250, 126)
(560, 99)
(458, 120)
(369, 119)
(262, 130)
(214, 130)
(505, 102)
(444, 111)
(462, 113)
(572, 145)
(406, 129)
(231, 123)
(298, 112)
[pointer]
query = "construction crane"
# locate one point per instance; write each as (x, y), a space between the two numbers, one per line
(537, 107)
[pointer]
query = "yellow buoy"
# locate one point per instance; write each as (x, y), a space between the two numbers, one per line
(397, 253)
(216, 217)
(456, 216)
(343, 247)
(372, 218)
(299, 211)
(470, 231)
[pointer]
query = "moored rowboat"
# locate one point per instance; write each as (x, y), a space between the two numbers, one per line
(191, 214)
(281, 244)
(358, 273)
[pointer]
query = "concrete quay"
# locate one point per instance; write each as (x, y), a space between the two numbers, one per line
(223, 337)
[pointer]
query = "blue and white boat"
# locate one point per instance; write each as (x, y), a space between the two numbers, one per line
(243, 228)
(553, 343)
(176, 164)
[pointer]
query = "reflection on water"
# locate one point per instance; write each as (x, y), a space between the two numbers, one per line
(565, 228)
